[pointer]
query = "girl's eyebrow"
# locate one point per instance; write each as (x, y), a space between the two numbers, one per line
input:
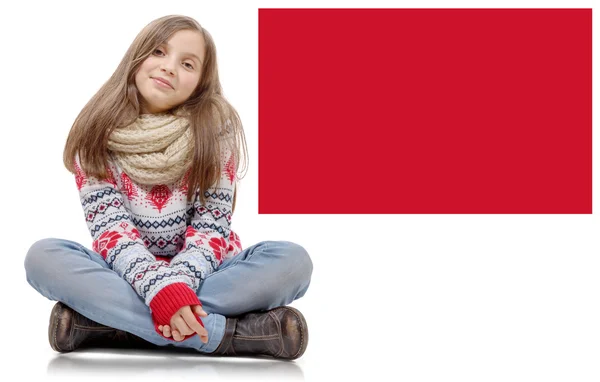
(188, 53)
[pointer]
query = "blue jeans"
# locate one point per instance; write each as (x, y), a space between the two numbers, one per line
(264, 276)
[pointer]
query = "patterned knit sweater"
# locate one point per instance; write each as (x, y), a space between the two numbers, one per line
(162, 245)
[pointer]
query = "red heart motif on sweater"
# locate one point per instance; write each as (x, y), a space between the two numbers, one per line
(218, 245)
(105, 242)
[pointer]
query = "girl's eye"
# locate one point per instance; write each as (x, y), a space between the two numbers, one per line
(187, 63)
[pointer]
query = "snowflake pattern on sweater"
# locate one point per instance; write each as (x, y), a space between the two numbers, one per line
(162, 245)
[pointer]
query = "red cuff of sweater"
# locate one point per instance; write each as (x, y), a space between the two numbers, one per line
(169, 300)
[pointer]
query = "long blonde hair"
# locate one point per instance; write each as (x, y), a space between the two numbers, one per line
(117, 104)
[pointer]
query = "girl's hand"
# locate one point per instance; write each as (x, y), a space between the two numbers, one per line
(183, 323)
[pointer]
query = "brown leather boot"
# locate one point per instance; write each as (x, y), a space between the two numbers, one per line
(280, 333)
(70, 330)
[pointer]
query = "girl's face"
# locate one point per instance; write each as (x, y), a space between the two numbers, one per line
(178, 63)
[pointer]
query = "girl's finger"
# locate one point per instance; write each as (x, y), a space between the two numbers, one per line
(181, 326)
(192, 322)
(176, 335)
(199, 311)
(167, 331)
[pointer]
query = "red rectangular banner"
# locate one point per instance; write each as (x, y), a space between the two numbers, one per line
(426, 111)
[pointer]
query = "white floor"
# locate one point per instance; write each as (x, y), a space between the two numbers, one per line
(158, 365)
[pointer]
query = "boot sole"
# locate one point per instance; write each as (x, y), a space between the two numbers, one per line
(303, 333)
(57, 311)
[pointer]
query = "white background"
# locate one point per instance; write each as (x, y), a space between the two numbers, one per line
(402, 297)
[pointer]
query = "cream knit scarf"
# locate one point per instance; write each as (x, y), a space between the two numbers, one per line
(154, 149)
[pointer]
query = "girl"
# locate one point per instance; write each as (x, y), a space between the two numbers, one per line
(155, 154)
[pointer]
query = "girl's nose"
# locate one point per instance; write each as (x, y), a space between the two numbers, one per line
(167, 70)
(167, 67)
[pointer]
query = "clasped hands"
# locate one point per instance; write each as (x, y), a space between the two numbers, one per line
(184, 322)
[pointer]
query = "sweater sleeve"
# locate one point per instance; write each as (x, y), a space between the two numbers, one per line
(209, 239)
(164, 289)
